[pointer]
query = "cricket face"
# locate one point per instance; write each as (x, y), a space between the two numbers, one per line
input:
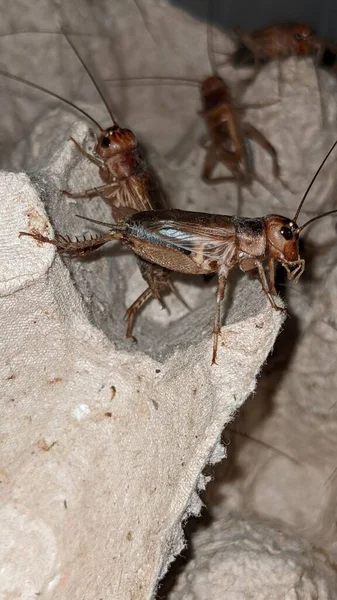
(115, 140)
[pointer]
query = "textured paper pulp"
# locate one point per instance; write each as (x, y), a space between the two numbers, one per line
(103, 443)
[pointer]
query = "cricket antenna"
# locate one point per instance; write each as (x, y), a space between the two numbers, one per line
(309, 188)
(330, 212)
(89, 73)
(154, 81)
(111, 226)
(53, 94)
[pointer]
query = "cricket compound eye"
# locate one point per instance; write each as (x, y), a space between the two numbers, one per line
(105, 143)
(287, 233)
(298, 36)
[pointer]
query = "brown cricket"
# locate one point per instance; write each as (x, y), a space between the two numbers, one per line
(277, 42)
(200, 244)
(229, 135)
(128, 182)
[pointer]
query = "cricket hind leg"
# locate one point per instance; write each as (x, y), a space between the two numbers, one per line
(251, 133)
(211, 161)
(65, 245)
(258, 137)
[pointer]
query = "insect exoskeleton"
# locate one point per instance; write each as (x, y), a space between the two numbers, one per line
(201, 243)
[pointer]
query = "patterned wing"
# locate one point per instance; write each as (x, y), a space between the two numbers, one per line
(140, 193)
(200, 235)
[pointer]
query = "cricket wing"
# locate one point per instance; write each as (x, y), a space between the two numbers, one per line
(212, 242)
(140, 192)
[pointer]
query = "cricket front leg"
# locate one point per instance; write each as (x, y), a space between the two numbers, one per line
(220, 292)
(97, 161)
(271, 276)
(266, 288)
(91, 193)
(65, 245)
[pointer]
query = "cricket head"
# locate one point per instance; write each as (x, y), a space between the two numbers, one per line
(115, 140)
(302, 39)
(214, 91)
(282, 235)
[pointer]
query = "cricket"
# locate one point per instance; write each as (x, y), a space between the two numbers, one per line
(197, 243)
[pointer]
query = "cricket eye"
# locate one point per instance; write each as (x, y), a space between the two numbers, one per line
(105, 143)
(287, 233)
(298, 36)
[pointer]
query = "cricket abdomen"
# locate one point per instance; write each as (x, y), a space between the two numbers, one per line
(166, 256)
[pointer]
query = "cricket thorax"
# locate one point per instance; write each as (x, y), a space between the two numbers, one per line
(251, 241)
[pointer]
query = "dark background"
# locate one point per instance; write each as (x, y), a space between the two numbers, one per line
(255, 14)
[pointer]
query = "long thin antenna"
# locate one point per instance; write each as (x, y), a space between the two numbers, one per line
(330, 212)
(154, 80)
(52, 32)
(312, 182)
(111, 226)
(53, 94)
(262, 443)
(89, 73)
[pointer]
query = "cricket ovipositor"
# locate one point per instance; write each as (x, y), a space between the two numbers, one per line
(201, 243)
(128, 182)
